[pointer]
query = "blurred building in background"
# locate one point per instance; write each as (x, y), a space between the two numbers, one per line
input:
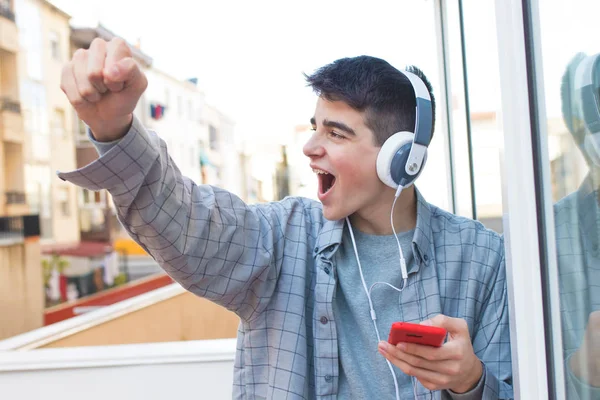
(220, 152)
(302, 179)
(173, 108)
(48, 141)
(12, 138)
(21, 279)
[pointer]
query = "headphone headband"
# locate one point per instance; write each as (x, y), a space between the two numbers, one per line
(587, 83)
(423, 110)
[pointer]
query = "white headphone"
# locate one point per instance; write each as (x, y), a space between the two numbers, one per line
(403, 155)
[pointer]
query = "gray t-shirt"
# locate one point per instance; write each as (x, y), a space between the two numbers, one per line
(364, 374)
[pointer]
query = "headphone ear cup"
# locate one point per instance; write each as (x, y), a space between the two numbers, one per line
(399, 173)
(392, 158)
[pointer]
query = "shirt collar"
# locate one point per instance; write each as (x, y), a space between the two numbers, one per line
(330, 235)
(329, 238)
(423, 239)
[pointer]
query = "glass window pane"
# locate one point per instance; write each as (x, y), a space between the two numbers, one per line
(484, 109)
(571, 76)
(477, 137)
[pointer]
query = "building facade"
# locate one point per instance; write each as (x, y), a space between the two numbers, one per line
(12, 182)
(21, 285)
(49, 141)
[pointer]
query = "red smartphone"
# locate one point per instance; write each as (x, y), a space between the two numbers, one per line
(405, 332)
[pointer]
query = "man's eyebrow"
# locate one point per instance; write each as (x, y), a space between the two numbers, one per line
(334, 124)
(339, 125)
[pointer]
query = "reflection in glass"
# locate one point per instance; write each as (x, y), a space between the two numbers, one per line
(577, 223)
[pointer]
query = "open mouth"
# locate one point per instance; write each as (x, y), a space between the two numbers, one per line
(326, 181)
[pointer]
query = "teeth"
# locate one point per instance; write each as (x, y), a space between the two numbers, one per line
(320, 171)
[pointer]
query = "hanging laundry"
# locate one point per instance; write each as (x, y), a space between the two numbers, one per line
(157, 111)
(53, 291)
(111, 267)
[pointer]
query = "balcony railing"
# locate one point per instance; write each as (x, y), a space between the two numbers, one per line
(7, 104)
(173, 365)
(14, 197)
(6, 12)
(19, 227)
(170, 370)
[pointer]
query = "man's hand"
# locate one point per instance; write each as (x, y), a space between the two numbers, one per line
(104, 85)
(452, 366)
(585, 362)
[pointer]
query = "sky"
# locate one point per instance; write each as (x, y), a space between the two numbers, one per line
(249, 57)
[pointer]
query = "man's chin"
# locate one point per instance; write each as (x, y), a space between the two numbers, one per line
(333, 213)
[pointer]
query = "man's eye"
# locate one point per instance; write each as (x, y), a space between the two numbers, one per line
(335, 135)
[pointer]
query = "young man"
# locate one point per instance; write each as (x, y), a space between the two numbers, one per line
(290, 269)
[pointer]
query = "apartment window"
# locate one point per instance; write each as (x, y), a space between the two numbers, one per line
(63, 201)
(167, 97)
(179, 106)
(81, 129)
(92, 198)
(190, 110)
(58, 123)
(192, 157)
(86, 196)
(213, 137)
(55, 46)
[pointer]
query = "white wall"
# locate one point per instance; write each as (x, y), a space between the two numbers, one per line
(197, 369)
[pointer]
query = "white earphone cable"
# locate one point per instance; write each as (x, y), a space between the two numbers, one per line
(402, 259)
(368, 290)
(373, 315)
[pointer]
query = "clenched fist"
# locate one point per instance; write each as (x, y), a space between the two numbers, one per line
(104, 85)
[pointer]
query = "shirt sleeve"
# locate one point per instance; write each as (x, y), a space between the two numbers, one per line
(206, 238)
(491, 339)
(474, 394)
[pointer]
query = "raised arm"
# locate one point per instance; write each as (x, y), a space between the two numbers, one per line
(206, 238)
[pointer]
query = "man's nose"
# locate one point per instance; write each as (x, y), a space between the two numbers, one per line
(313, 147)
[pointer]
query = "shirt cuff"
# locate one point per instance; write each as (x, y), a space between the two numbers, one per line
(103, 147)
(474, 394)
(122, 166)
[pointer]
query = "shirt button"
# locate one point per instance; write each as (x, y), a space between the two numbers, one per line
(328, 378)
(326, 270)
(426, 257)
(324, 320)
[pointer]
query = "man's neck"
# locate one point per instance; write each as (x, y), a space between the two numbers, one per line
(375, 219)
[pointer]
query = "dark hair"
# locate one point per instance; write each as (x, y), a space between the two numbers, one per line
(373, 86)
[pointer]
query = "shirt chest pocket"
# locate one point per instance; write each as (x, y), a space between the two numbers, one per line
(419, 301)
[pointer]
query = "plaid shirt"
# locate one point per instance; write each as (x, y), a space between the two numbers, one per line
(273, 265)
(577, 223)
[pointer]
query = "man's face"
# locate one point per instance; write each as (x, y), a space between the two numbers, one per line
(343, 155)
